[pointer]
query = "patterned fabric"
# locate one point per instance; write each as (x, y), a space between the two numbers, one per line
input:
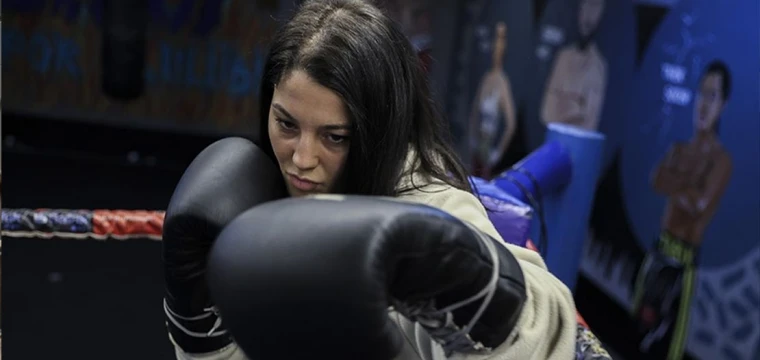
(588, 347)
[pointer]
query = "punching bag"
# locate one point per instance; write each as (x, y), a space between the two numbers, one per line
(123, 58)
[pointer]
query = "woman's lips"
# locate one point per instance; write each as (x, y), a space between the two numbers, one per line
(302, 184)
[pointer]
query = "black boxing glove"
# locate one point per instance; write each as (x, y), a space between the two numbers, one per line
(225, 179)
(298, 277)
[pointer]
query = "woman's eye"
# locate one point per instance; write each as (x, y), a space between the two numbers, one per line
(287, 125)
(336, 139)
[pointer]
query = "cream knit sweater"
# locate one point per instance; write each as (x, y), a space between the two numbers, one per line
(546, 328)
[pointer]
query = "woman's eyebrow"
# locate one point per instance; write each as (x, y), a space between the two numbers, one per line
(284, 112)
(328, 127)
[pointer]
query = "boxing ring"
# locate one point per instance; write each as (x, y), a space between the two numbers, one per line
(546, 197)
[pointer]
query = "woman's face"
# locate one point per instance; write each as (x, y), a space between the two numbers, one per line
(309, 129)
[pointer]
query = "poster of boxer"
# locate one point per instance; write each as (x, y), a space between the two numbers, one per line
(574, 93)
(689, 170)
(483, 98)
(177, 63)
(584, 58)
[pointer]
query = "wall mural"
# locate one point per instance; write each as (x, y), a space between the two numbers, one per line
(200, 61)
(689, 168)
(673, 86)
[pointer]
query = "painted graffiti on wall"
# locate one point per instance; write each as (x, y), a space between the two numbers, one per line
(204, 60)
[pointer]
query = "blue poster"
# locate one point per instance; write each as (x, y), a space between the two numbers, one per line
(689, 172)
(583, 64)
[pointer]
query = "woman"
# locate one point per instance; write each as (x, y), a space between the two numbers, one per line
(492, 120)
(348, 110)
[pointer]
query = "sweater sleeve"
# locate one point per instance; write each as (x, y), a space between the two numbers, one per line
(229, 352)
(546, 328)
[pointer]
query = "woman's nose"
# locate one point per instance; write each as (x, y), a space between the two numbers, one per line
(305, 156)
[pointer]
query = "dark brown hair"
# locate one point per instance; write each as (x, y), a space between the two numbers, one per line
(352, 48)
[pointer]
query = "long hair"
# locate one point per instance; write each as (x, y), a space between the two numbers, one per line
(355, 50)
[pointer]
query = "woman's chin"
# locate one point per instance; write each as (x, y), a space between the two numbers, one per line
(294, 192)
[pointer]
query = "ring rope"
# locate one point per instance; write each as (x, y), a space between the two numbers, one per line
(83, 224)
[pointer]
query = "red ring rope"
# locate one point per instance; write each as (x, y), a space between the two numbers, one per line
(83, 224)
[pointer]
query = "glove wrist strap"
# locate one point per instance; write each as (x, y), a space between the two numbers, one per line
(199, 333)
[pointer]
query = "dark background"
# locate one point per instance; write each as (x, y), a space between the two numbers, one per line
(86, 299)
